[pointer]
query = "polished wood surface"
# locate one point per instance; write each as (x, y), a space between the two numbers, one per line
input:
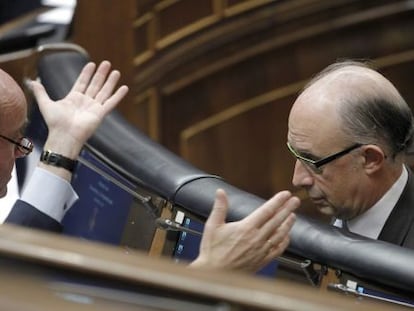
(50, 266)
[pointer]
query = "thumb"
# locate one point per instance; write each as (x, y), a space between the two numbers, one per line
(39, 93)
(219, 211)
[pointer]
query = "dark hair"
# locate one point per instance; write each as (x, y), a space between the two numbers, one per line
(372, 110)
(380, 121)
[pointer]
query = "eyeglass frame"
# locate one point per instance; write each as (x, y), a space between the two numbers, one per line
(24, 150)
(315, 165)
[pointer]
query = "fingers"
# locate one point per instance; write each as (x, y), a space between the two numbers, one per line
(106, 89)
(84, 78)
(277, 251)
(112, 101)
(277, 219)
(283, 230)
(219, 211)
(261, 215)
(99, 79)
(39, 93)
(100, 84)
(279, 240)
(239, 245)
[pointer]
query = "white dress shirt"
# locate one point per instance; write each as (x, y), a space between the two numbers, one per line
(49, 193)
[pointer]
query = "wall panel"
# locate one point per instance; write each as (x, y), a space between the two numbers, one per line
(203, 62)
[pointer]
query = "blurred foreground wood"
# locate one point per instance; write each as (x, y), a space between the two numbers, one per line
(43, 271)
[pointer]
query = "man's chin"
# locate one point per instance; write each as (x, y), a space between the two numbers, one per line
(326, 210)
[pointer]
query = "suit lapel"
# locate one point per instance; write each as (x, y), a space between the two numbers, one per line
(399, 224)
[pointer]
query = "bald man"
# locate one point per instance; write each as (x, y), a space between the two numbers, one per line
(349, 130)
(71, 121)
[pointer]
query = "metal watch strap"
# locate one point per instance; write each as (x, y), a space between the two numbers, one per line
(58, 160)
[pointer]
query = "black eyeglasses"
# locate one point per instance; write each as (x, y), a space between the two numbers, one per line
(24, 146)
(315, 165)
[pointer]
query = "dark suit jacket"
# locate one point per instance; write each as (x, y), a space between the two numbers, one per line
(24, 214)
(399, 227)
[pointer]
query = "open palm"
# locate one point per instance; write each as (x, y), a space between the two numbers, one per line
(77, 116)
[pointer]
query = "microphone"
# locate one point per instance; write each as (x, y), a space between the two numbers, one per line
(169, 225)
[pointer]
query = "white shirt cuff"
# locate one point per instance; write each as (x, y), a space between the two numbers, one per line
(49, 193)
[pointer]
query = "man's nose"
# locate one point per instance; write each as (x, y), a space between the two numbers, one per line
(302, 177)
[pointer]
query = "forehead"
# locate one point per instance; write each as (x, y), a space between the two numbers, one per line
(13, 107)
(313, 122)
(13, 118)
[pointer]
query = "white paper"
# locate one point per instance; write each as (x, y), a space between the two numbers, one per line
(56, 16)
(61, 3)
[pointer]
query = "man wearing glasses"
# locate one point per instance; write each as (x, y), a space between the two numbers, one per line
(71, 121)
(248, 244)
(349, 131)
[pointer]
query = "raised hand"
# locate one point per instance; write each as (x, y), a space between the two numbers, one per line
(73, 119)
(251, 243)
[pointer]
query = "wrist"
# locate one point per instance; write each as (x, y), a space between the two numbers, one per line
(63, 144)
(57, 160)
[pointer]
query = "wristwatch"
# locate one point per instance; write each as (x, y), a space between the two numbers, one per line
(58, 160)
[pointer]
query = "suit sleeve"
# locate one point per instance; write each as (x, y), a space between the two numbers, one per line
(27, 215)
(45, 200)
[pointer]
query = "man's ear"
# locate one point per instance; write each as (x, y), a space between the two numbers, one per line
(374, 158)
